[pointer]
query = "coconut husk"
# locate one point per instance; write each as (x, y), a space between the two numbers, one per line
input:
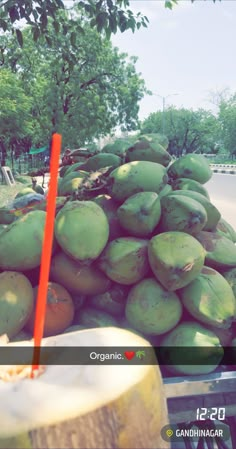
(83, 406)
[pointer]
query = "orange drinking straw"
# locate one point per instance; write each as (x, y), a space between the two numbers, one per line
(46, 252)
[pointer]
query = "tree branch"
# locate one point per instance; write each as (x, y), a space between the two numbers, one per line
(66, 103)
(185, 138)
(96, 79)
(193, 141)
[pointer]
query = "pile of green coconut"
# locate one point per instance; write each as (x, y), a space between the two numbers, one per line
(138, 244)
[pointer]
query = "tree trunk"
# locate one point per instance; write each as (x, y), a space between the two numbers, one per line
(12, 157)
(3, 153)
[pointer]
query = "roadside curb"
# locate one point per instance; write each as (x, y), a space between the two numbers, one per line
(226, 172)
(224, 169)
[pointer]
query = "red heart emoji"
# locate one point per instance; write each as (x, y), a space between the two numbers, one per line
(129, 355)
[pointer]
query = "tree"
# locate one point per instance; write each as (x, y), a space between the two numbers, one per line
(105, 15)
(15, 120)
(227, 118)
(140, 354)
(81, 91)
(188, 131)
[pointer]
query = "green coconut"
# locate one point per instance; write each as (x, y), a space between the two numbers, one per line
(189, 184)
(191, 349)
(225, 229)
(210, 299)
(78, 278)
(21, 336)
(16, 302)
(140, 213)
(7, 216)
(125, 260)
(73, 167)
(148, 148)
(165, 191)
(82, 230)
(63, 170)
(220, 251)
(213, 214)
(180, 213)
(68, 187)
(162, 139)
(74, 328)
(102, 160)
(40, 205)
(113, 301)
(78, 158)
(118, 147)
(225, 335)
(24, 192)
(91, 317)
(124, 324)
(151, 309)
(21, 242)
(176, 258)
(73, 175)
(38, 189)
(193, 166)
(110, 207)
(78, 300)
(230, 276)
(136, 176)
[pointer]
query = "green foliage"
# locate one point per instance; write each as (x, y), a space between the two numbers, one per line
(227, 118)
(81, 91)
(62, 73)
(188, 131)
(23, 179)
(118, 147)
(15, 108)
(106, 15)
(170, 3)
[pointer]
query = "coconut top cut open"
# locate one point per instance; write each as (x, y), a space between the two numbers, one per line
(64, 392)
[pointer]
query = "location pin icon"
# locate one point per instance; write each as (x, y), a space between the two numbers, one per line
(169, 433)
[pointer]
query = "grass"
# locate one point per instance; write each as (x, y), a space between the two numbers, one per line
(223, 161)
(8, 193)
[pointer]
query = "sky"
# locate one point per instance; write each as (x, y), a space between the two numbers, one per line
(188, 51)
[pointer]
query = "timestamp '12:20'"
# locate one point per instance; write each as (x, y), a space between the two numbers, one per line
(211, 413)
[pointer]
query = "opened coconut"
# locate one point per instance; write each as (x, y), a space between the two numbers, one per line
(83, 406)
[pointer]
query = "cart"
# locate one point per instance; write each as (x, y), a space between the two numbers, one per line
(186, 394)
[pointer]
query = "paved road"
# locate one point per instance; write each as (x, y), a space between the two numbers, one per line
(222, 191)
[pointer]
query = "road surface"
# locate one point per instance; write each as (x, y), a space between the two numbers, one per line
(222, 191)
